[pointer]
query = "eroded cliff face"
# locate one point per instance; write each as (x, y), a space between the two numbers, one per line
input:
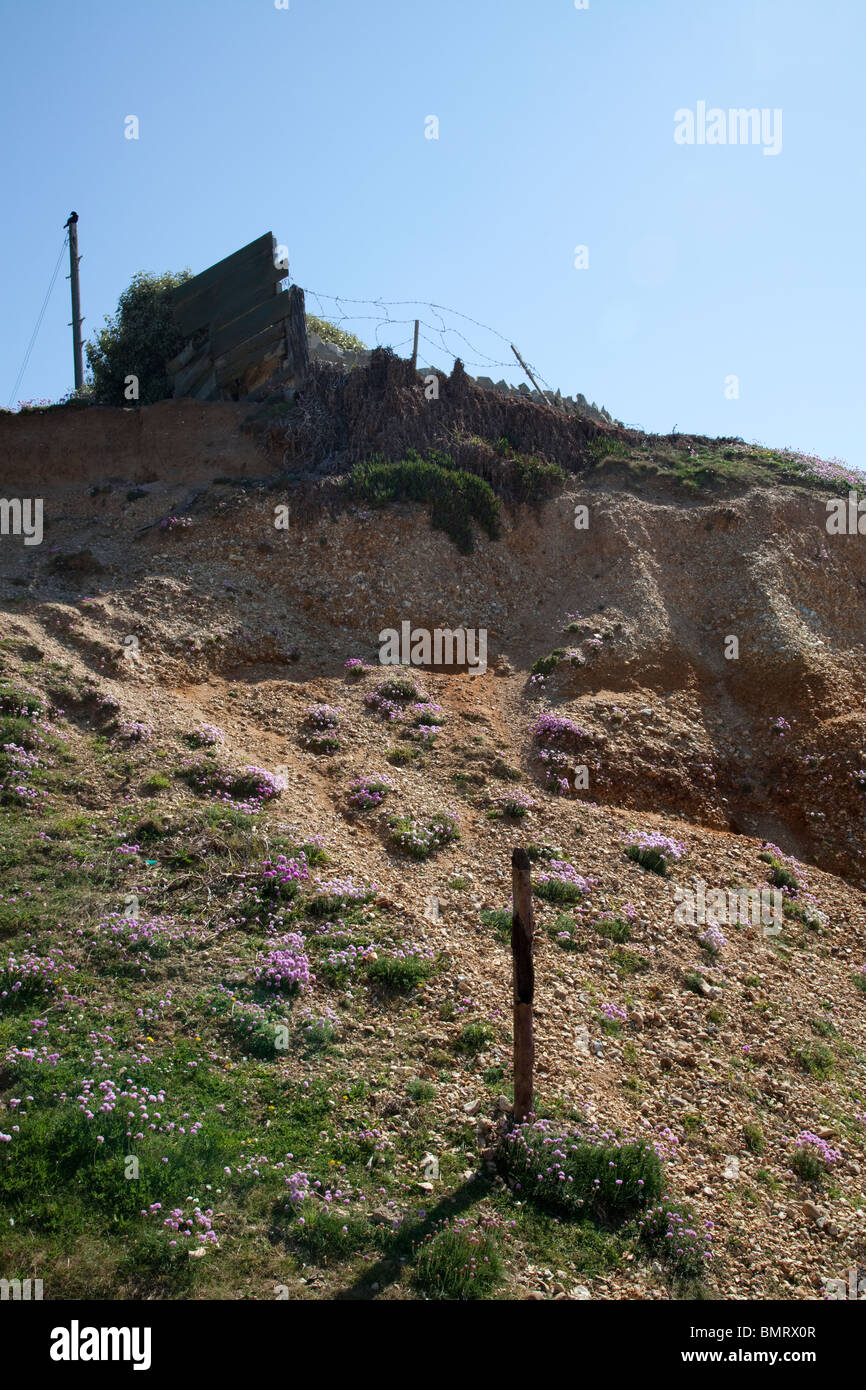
(711, 648)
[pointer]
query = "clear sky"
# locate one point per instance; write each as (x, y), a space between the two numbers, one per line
(556, 130)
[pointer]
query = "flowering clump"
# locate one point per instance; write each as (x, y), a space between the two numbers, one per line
(780, 727)
(206, 736)
(354, 666)
(712, 938)
(558, 740)
(321, 724)
(175, 523)
(653, 851)
(135, 730)
(459, 1260)
(287, 968)
(320, 1027)
(339, 962)
(264, 895)
(515, 804)
(335, 894)
(420, 839)
(247, 789)
(561, 883)
(133, 936)
(390, 697)
(29, 975)
(200, 1224)
(586, 1171)
(813, 1156)
(672, 1233)
(426, 713)
(367, 792)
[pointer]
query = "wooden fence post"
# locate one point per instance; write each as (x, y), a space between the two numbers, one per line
(415, 349)
(296, 336)
(522, 931)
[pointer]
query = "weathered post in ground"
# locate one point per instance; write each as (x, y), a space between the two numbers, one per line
(522, 931)
(296, 337)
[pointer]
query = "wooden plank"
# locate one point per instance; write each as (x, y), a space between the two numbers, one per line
(263, 248)
(231, 335)
(206, 389)
(241, 297)
(186, 381)
(270, 343)
(183, 357)
(228, 298)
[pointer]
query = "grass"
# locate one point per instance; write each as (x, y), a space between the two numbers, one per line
(816, 1059)
(498, 919)
(399, 974)
(629, 962)
(614, 929)
(474, 1038)
(753, 1137)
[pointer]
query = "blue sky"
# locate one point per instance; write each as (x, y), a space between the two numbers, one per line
(556, 130)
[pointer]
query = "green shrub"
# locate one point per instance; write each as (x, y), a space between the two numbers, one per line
(456, 498)
(782, 877)
(808, 1164)
(157, 782)
(137, 340)
(420, 1091)
(330, 333)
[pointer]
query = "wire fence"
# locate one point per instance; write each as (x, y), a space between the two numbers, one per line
(441, 338)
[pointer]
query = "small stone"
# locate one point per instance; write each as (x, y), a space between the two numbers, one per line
(813, 1213)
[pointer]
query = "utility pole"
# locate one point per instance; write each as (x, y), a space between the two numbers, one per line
(74, 258)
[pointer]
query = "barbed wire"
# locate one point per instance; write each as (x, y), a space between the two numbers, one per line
(441, 331)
